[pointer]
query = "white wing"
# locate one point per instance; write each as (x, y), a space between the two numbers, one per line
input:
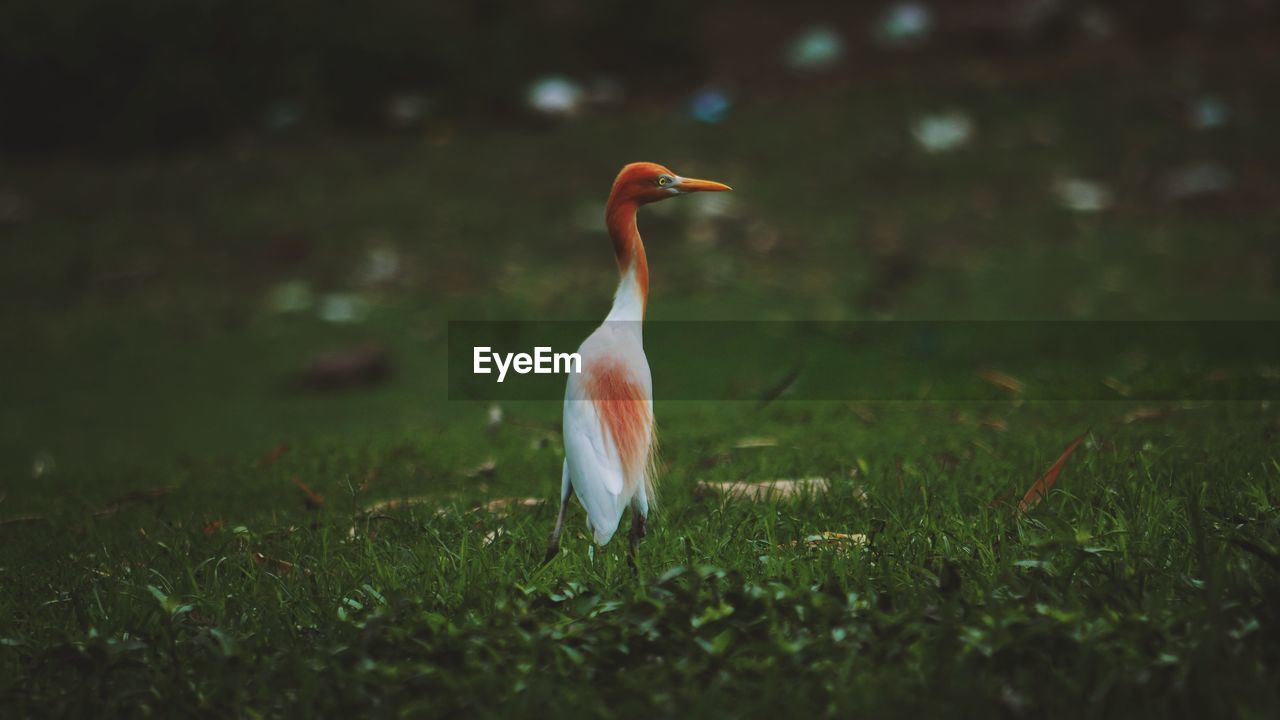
(595, 466)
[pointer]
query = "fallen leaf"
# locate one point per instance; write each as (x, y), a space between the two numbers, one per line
(1041, 487)
(841, 541)
(994, 423)
(484, 469)
(493, 535)
(213, 526)
(767, 489)
(1145, 413)
(313, 499)
(274, 454)
(43, 464)
(281, 566)
(983, 447)
(947, 460)
(712, 460)
(1003, 381)
(942, 132)
(133, 498)
(353, 367)
(393, 503)
(755, 442)
(1121, 387)
(501, 504)
(1081, 195)
(864, 414)
(22, 519)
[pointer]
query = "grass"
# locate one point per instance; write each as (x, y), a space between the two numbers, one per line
(158, 557)
(1146, 584)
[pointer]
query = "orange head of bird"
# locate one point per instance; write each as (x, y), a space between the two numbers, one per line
(645, 182)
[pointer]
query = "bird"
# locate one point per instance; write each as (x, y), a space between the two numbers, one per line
(610, 437)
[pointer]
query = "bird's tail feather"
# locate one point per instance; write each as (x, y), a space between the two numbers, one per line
(651, 465)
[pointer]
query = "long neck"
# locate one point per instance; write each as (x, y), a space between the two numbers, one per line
(632, 297)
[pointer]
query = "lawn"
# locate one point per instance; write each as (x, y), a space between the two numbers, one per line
(189, 528)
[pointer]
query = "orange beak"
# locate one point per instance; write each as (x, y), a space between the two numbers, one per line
(688, 185)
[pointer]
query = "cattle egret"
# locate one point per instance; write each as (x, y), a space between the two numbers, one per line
(609, 432)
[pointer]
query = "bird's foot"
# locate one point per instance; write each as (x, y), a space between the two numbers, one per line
(633, 550)
(552, 550)
(631, 559)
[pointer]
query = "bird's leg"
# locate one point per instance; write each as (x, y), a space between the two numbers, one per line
(637, 532)
(553, 547)
(566, 492)
(639, 516)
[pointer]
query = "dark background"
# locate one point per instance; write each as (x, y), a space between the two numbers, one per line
(118, 75)
(225, 223)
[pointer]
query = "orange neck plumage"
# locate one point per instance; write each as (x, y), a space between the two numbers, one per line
(620, 218)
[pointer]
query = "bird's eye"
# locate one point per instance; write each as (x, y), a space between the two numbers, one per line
(663, 180)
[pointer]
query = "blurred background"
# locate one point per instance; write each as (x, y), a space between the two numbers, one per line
(137, 75)
(227, 224)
